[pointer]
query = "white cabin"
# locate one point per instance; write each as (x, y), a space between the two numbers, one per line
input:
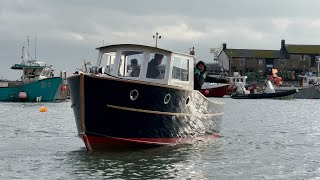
(176, 69)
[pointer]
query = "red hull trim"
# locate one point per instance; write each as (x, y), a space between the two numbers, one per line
(95, 141)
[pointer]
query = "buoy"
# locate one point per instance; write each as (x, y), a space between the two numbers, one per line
(64, 88)
(43, 109)
(23, 95)
(206, 91)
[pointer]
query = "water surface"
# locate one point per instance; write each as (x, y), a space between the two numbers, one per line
(261, 139)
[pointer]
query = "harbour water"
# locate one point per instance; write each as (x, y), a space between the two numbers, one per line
(261, 139)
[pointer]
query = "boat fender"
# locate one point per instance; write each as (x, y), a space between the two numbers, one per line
(206, 91)
(167, 99)
(23, 95)
(64, 87)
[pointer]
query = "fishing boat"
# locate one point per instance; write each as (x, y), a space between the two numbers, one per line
(268, 93)
(158, 106)
(37, 83)
(214, 89)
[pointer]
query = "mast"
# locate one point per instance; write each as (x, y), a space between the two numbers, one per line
(35, 48)
(28, 48)
(22, 55)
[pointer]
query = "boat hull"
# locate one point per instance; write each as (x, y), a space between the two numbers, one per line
(218, 91)
(277, 95)
(106, 115)
(38, 91)
(312, 92)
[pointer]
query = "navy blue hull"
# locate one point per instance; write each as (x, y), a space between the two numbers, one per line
(277, 95)
(103, 108)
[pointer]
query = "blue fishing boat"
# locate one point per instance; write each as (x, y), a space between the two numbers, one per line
(37, 83)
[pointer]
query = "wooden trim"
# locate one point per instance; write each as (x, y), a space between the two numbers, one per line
(81, 95)
(160, 112)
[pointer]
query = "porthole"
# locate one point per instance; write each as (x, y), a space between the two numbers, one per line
(167, 99)
(134, 95)
(187, 100)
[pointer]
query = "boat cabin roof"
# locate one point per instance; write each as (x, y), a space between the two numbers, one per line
(29, 65)
(146, 63)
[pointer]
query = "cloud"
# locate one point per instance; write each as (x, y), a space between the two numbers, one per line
(69, 31)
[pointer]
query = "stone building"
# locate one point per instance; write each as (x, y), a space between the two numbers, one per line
(291, 60)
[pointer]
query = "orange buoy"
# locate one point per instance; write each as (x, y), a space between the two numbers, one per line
(43, 109)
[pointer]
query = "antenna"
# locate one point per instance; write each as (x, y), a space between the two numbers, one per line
(22, 56)
(35, 48)
(28, 47)
(157, 36)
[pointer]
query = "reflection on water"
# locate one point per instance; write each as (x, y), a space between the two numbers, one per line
(165, 162)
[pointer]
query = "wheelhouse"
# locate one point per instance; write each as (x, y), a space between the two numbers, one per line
(32, 71)
(136, 62)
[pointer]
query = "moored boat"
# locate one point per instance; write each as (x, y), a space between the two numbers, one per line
(235, 81)
(309, 87)
(37, 83)
(157, 106)
(269, 93)
(214, 89)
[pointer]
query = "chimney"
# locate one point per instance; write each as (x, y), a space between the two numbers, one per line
(283, 42)
(224, 46)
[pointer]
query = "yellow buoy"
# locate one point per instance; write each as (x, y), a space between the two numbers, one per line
(43, 109)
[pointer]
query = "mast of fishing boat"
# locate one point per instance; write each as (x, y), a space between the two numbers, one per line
(28, 48)
(22, 55)
(35, 48)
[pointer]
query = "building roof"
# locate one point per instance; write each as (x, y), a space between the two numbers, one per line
(302, 49)
(213, 67)
(253, 53)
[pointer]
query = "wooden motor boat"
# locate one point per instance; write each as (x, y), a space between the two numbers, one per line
(158, 106)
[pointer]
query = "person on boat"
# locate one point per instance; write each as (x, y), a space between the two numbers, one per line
(199, 75)
(135, 68)
(153, 70)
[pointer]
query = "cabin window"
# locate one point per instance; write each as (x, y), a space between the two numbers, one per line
(130, 62)
(156, 66)
(107, 61)
(180, 69)
(45, 72)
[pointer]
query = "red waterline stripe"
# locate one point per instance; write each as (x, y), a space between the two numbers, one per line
(99, 140)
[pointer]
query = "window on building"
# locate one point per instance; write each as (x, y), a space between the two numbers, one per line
(242, 62)
(260, 62)
(282, 62)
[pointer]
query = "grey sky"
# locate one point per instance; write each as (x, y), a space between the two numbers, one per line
(68, 31)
